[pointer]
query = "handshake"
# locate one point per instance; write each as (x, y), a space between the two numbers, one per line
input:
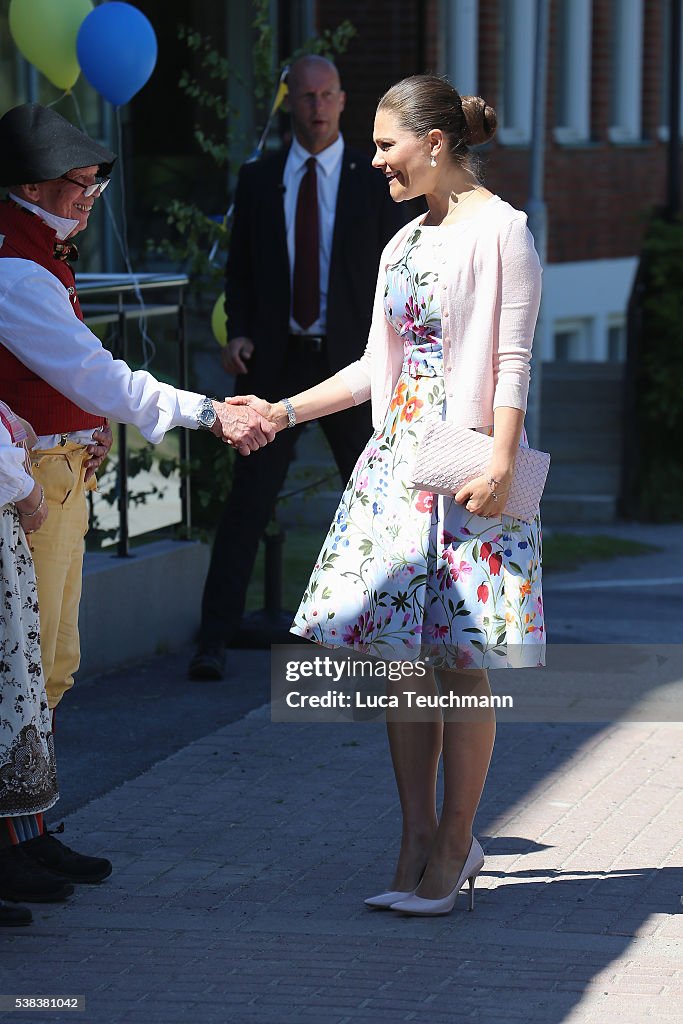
(248, 423)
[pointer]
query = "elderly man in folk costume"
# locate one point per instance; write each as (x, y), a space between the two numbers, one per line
(56, 374)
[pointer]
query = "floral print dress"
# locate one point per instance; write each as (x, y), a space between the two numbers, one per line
(28, 775)
(407, 574)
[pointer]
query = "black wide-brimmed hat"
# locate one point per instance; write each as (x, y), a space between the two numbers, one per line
(38, 144)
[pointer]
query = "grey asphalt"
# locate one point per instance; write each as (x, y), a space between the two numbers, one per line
(111, 728)
(243, 849)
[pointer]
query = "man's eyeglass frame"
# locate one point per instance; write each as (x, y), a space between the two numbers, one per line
(88, 190)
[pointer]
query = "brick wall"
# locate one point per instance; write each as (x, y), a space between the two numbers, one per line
(597, 193)
(386, 48)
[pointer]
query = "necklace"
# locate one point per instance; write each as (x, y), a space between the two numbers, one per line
(450, 216)
(461, 201)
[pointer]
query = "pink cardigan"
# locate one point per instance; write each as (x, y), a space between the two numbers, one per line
(490, 282)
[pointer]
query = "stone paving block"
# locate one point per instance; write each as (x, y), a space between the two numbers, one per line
(309, 945)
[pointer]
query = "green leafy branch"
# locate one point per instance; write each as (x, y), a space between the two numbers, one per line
(660, 374)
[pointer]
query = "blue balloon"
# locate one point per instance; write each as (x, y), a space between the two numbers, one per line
(117, 50)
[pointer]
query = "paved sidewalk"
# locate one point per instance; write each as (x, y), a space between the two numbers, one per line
(242, 860)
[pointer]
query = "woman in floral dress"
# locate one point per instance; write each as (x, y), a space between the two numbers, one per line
(403, 573)
(28, 777)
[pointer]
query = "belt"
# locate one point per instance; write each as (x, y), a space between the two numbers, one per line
(307, 344)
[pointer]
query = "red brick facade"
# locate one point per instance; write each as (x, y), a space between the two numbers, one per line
(385, 49)
(598, 192)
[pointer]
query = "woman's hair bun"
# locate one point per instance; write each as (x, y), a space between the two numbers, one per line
(480, 119)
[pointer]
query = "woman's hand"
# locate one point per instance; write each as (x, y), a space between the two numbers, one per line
(274, 412)
(486, 496)
(32, 510)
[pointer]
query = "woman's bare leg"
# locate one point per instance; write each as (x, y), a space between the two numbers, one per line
(415, 750)
(468, 737)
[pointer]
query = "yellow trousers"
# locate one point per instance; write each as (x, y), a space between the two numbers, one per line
(58, 557)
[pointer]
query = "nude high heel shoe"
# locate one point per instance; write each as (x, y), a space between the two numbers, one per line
(420, 907)
(385, 899)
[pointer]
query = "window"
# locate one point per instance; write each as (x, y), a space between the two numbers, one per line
(665, 69)
(573, 70)
(572, 341)
(616, 342)
(626, 70)
(462, 43)
(518, 21)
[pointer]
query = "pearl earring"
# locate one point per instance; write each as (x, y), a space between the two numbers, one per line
(433, 161)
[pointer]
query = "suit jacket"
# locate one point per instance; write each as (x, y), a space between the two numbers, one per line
(257, 274)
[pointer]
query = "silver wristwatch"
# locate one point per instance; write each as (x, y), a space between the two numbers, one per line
(206, 414)
(291, 415)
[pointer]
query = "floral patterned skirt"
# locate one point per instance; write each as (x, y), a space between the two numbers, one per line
(28, 776)
(408, 574)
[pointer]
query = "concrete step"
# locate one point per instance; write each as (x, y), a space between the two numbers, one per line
(563, 509)
(583, 446)
(579, 370)
(567, 415)
(583, 477)
(610, 392)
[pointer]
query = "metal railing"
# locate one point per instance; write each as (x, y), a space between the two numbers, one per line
(112, 299)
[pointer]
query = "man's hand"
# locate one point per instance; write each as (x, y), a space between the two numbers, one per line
(98, 450)
(271, 411)
(236, 354)
(242, 427)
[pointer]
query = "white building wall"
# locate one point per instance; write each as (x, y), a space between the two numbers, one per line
(593, 292)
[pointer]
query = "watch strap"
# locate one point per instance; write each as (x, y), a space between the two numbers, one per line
(291, 415)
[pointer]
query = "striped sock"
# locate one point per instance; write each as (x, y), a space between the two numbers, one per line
(20, 828)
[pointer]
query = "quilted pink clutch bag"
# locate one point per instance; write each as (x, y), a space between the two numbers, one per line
(450, 456)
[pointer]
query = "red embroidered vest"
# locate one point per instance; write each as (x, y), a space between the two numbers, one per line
(28, 237)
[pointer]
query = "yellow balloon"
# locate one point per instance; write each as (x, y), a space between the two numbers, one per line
(282, 91)
(45, 33)
(218, 322)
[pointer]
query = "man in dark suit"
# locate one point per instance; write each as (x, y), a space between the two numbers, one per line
(310, 224)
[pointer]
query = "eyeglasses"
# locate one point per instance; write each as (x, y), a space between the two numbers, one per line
(88, 190)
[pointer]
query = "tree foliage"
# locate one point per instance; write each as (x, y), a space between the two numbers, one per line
(198, 243)
(659, 375)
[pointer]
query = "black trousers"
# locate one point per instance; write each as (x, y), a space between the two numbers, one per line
(257, 481)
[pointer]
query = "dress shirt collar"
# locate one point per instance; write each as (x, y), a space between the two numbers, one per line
(62, 226)
(328, 159)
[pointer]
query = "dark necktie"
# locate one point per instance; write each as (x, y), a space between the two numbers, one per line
(306, 286)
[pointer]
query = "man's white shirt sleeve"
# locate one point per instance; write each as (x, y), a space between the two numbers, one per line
(38, 325)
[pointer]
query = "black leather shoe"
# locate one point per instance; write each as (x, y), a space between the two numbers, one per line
(208, 664)
(24, 881)
(47, 852)
(11, 917)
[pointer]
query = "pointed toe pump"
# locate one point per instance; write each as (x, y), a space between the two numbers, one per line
(385, 899)
(420, 907)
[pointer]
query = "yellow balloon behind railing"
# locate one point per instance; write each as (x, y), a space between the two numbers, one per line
(218, 322)
(45, 34)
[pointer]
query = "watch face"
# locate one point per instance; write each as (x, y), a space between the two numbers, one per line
(207, 415)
